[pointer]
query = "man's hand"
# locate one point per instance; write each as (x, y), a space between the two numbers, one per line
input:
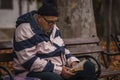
(66, 72)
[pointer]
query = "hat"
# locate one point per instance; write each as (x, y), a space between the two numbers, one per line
(48, 10)
(50, 2)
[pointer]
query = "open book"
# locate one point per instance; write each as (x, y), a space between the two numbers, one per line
(78, 67)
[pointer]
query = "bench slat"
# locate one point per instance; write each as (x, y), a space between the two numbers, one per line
(6, 57)
(108, 73)
(5, 45)
(85, 50)
(79, 41)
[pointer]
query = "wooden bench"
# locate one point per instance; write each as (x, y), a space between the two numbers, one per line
(79, 47)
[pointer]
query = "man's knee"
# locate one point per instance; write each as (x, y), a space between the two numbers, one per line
(89, 67)
(89, 71)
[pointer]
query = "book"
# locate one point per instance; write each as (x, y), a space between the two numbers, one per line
(78, 67)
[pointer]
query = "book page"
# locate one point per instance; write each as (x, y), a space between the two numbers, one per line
(79, 66)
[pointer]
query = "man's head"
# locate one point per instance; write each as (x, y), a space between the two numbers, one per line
(47, 17)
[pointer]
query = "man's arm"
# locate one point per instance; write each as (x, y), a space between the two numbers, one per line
(26, 52)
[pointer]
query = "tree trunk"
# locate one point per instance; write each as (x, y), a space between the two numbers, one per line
(116, 17)
(102, 17)
(76, 18)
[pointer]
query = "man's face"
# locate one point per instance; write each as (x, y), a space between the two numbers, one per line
(49, 22)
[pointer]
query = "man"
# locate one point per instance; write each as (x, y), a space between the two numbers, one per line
(39, 48)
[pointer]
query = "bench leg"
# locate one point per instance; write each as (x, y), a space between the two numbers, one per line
(105, 60)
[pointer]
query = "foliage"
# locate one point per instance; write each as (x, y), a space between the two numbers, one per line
(114, 60)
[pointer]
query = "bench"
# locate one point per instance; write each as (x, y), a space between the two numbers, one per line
(80, 47)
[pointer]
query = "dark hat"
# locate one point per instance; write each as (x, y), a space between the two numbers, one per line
(48, 9)
(50, 2)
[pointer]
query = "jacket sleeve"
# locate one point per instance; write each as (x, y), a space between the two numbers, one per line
(69, 57)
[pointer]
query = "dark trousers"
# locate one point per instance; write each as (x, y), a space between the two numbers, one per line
(87, 74)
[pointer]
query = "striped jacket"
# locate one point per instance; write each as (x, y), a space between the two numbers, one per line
(35, 51)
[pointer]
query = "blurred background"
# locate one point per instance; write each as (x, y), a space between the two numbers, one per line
(70, 15)
(9, 11)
